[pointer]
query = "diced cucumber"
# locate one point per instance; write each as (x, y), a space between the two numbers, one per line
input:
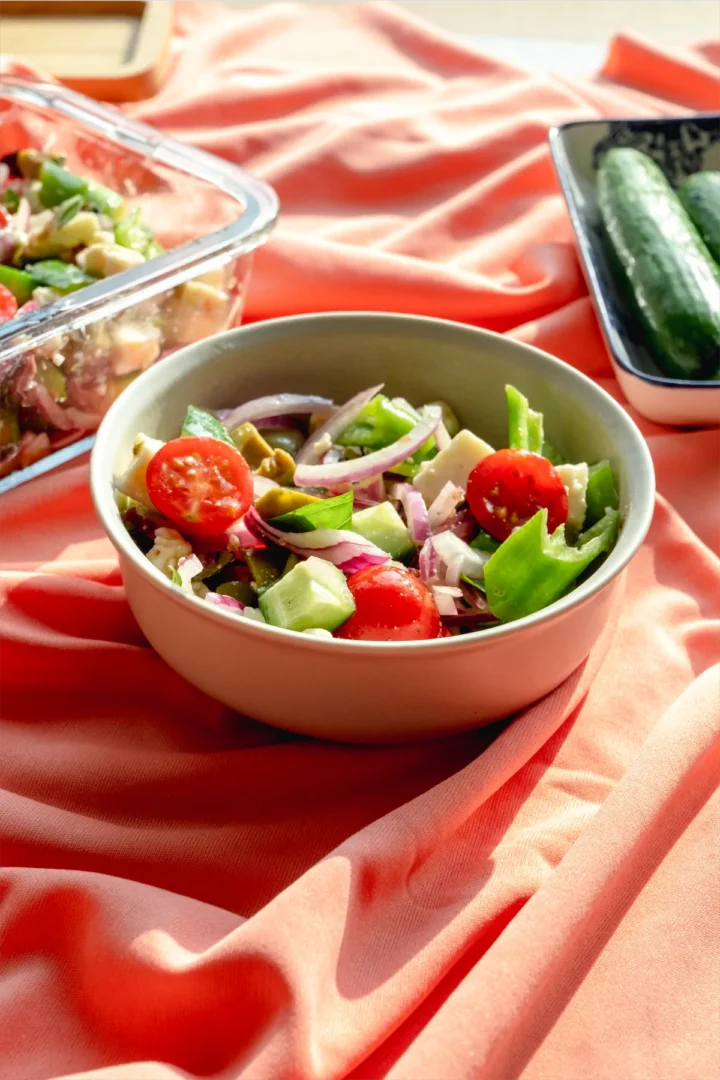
(384, 527)
(314, 595)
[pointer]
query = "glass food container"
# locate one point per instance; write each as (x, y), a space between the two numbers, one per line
(63, 364)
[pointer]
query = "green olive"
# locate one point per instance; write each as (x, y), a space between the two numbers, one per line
(288, 439)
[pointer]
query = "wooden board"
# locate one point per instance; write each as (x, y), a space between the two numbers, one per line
(112, 50)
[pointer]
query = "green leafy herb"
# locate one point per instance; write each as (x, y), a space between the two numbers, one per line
(67, 210)
(335, 513)
(132, 232)
(175, 577)
(18, 282)
(203, 424)
(59, 275)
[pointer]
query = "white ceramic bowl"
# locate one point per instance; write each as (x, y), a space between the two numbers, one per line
(373, 691)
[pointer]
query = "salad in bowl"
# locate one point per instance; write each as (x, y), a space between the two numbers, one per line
(370, 520)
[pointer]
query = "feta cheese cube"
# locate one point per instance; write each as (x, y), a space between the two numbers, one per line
(169, 548)
(452, 465)
(133, 482)
(575, 479)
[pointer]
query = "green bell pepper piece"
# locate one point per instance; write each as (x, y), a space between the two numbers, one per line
(334, 513)
(65, 277)
(10, 200)
(58, 184)
(552, 453)
(485, 542)
(601, 492)
(533, 568)
(105, 201)
(133, 233)
(383, 421)
(19, 283)
(205, 425)
(525, 427)
(380, 423)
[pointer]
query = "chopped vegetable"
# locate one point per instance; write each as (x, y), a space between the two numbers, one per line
(601, 492)
(314, 595)
(19, 283)
(202, 423)
(391, 604)
(59, 275)
(332, 513)
(253, 447)
(533, 568)
(383, 526)
(507, 488)
(58, 184)
(201, 484)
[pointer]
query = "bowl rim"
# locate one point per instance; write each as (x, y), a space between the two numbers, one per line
(640, 512)
(564, 168)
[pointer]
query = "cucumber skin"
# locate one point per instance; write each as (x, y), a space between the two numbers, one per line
(674, 282)
(700, 195)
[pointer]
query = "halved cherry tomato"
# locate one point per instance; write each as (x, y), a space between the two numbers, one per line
(8, 304)
(508, 487)
(202, 485)
(391, 604)
(4, 217)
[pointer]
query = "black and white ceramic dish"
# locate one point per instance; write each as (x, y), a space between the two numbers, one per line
(681, 146)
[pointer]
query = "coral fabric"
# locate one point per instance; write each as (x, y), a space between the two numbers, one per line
(187, 893)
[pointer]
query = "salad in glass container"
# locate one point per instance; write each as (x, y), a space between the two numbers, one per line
(59, 232)
(369, 521)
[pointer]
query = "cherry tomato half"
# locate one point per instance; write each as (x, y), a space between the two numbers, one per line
(4, 217)
(202, 485)
(508, 487)
(8, 304)
(391, 604)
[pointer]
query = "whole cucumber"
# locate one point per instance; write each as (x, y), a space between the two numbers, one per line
(674, 283)
(700, 195)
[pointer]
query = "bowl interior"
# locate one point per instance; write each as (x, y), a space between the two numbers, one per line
(420, 359)
(681, 147)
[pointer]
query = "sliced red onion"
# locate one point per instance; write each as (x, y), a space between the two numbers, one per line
(428, 562)
(27, 307)
(4, 173)
(459, 558)
(187, 568)
(380, 461)
(276, 405)
(347, 550)
(239, 537)
(444, 505)
(445, 604)
(416, 514)
(8, 243)
(463, 524)
(221, 600)
(442, 437)
(262, 484)
(342, 418)
(285, 421)
(333, 454)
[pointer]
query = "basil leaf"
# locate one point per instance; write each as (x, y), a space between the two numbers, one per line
(58, 275)
(335, 513)
(201, 423)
